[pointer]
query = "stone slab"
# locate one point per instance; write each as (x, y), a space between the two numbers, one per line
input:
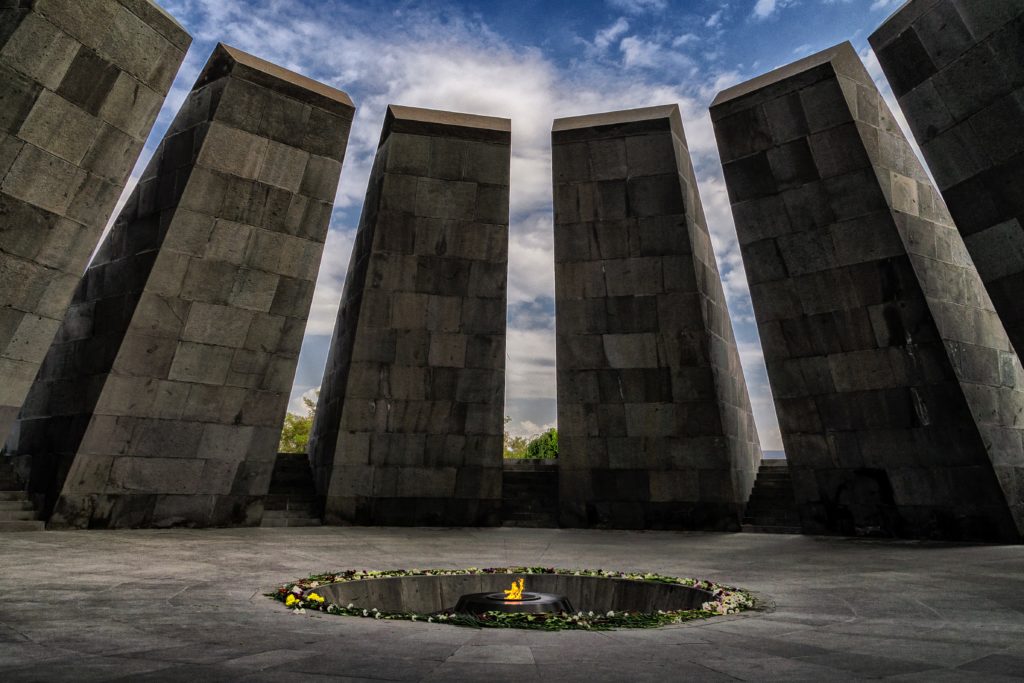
(894, 380)
(161, 401)
(641, 315)
(955, 69)
(409, 422)
(68, 141)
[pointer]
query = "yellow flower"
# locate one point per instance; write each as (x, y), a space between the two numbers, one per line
(291, 600)
(315, 598)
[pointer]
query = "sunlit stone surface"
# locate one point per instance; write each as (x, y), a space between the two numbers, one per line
(79, 91)
(957, 70)
(162, 399)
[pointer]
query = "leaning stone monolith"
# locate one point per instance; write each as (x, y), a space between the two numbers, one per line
(409, 423)
(898, 393)
(161, 401)
(80, 88)
(957, 70)
(655, 426)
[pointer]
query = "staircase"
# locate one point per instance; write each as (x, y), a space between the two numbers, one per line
(772, 505)
(17, 513)
(292, 499)
(530, 493)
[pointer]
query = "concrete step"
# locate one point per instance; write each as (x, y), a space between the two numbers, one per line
(536, 523)
(13, 495)
(289, 521)
(18, 515)
(763, 529)
(15, 505)
(290, 513)
(35, 525)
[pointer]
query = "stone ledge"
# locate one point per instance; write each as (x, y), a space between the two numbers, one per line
(227, 59)
(435, 122)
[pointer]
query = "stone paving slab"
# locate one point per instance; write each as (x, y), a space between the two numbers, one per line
(187, 605)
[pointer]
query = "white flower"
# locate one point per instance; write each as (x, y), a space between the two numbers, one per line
(590, 613)
(611, 613)
(350, 606)
(296, 590)
(376, 615)
(366, 613)
(430, 620)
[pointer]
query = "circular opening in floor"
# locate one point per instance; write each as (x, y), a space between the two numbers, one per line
(516, 597)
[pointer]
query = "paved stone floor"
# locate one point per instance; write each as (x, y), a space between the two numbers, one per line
(187, 605)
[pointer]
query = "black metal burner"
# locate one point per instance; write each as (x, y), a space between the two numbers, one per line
(532, 603)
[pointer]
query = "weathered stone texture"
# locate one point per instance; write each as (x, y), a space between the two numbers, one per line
(898, 393)
(957, 70)
(655, 425)
(409, 424)
(161, 401)
(81, 84)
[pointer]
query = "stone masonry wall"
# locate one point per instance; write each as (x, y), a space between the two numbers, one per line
(898, 393)
(655, 425)
(957, 70)
(409, 423)
(80, 87)
(161, 401)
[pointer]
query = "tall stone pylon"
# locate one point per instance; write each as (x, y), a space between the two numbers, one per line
(408, 428)
(81, 85)
(898, 393)
(655, 426)
(161, 401)
(957, 70)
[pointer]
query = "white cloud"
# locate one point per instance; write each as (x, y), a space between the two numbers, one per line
(638, 6)
(454, 64)
(685, 39)
(608, 36)
(715, 20)
(884, 4)
(763, 9)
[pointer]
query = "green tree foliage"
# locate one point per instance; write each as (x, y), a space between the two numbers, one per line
(544, 445)
(295, 435)
(540, 446)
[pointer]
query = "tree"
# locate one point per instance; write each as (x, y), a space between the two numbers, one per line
(295, 435)
(540, 446)
(543, 446)
(515, 446)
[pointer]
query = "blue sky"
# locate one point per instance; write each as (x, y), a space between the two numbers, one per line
(531, 61)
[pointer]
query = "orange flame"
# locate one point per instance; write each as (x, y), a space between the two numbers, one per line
(516, 591)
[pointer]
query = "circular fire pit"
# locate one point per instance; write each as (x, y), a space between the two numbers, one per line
(530, 603)
(557, 599)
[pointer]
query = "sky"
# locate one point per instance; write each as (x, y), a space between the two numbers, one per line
(531, 61)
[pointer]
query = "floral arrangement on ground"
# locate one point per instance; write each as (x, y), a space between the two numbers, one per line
(725, 600)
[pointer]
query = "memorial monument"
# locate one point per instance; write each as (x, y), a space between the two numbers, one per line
(80, 87)
(957, 70)
(655, 425)
(409, 423)
(898, 393)
(161, 401)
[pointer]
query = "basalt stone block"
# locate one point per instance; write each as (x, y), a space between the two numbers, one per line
(641, 322)
(963, 97)
(409, 425)
(896, 385)
(75, 110)
(161, 401)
